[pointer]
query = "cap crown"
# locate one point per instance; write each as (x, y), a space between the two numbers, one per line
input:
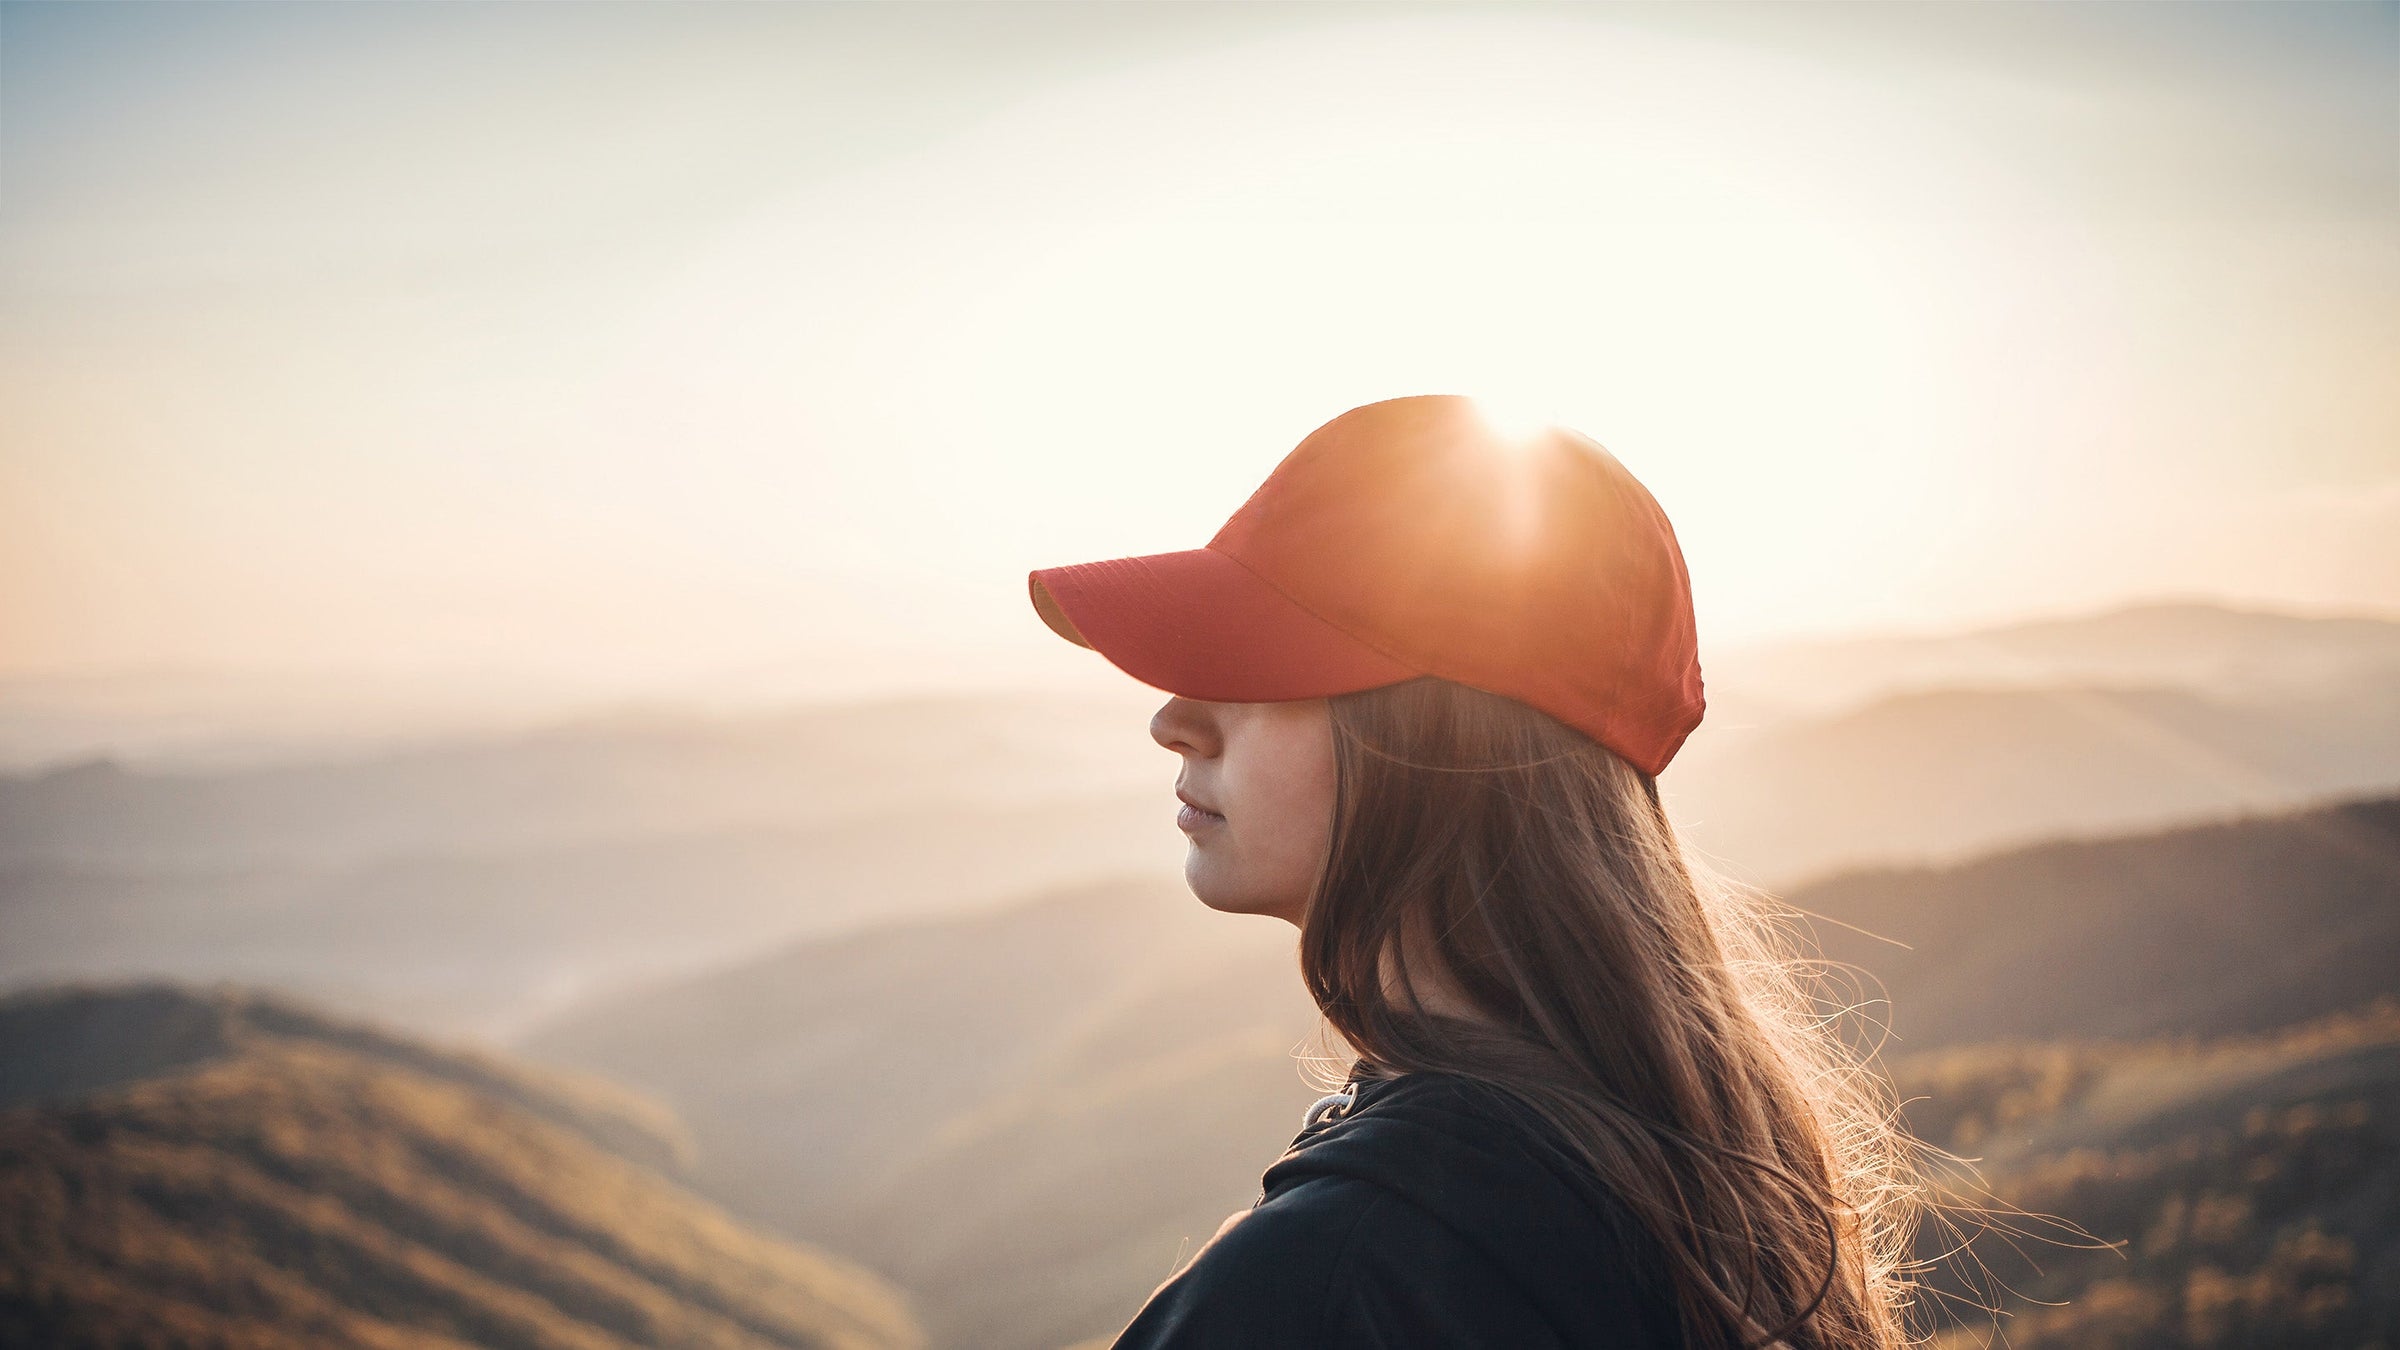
(1536, 567)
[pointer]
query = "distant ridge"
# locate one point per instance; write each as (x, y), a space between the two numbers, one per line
(473, 886)
(1940, 773)
(2228, 927)
(2199, 644)
(220, 1167)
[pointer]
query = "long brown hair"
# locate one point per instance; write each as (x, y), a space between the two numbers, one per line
(1635, 1000)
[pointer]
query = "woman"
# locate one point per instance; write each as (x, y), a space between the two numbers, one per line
(1425, 680)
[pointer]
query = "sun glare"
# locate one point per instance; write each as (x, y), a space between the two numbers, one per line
(1517, 419)
(1521, 425)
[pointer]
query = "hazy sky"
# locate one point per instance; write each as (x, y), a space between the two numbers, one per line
(673, 342)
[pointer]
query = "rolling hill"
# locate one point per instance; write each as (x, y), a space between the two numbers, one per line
(216, 1167)
(1025, 1115)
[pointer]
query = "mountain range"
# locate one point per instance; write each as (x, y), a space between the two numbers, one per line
(484, 884)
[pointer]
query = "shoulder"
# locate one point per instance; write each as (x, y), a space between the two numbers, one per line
(1435, 1211)
(1484, 1183)
(1335, 1262)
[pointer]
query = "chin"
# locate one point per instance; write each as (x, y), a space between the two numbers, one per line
(1232, 900)
(1223, 905)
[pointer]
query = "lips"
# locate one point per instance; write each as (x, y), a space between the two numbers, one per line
(1196, 804)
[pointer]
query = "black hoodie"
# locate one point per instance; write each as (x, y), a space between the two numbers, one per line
(1429, 1210)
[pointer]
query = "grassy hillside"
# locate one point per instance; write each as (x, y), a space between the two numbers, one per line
(184, 1168)
(70, 1042)
(2241, 1192)
(2238, 926)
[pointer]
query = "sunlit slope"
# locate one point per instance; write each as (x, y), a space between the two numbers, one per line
(1025, 1115)
(73, 1041)
(2253, 1182)
(254, 1175)
(2238, 926)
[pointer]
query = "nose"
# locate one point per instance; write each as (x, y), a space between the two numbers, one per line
(1184, 726)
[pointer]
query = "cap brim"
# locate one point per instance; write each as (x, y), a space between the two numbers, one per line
(1199, 624)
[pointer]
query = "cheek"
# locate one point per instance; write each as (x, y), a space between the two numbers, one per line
(1311, 817)
(1298, 820)
(1268, 861)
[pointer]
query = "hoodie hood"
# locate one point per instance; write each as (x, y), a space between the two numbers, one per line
(1478, 1159)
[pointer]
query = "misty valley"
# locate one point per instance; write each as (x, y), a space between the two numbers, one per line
(893, 1024)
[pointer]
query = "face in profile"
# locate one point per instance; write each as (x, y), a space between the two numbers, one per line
(1257, 792)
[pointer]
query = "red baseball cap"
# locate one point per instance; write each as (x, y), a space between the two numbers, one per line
(1412, 537)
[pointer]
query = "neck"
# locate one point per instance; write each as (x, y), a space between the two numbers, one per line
(1428, 988)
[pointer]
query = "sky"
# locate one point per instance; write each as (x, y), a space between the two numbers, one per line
(769, 345)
